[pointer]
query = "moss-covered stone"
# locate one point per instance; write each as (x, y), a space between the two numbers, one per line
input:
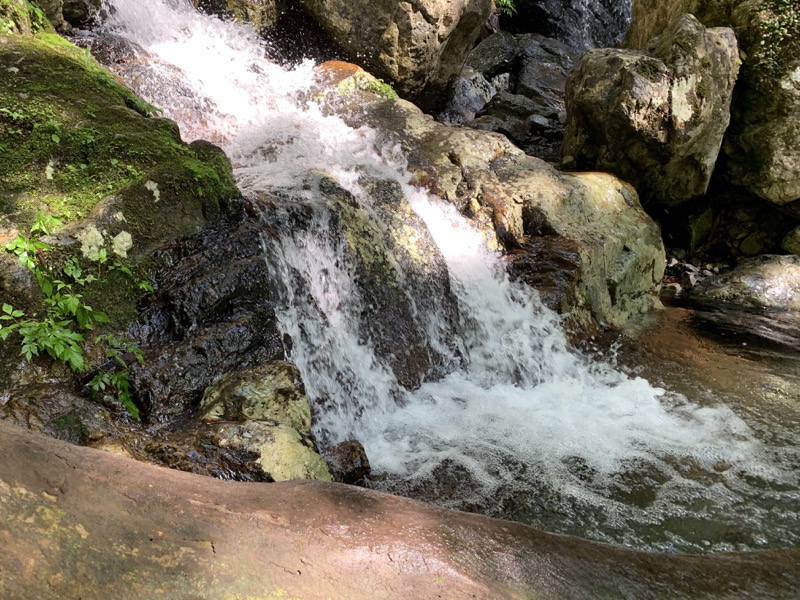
(77, 144)
(15, 17)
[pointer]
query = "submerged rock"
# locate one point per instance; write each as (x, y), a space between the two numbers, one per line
(656, 119)
(419, 48)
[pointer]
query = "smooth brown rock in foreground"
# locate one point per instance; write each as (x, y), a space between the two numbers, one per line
(80, 523)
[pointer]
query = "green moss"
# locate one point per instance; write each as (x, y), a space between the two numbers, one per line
(71, 136)
(57, 150)
(775, 39)
(15, 17)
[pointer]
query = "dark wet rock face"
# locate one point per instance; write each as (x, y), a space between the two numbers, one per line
(551, 265)
(211, 316)
(580, 24)
(348, 462)
(514, 85)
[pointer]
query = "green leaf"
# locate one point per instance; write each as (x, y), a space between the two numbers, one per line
(8, 309)
(98, 316)
(55, 137)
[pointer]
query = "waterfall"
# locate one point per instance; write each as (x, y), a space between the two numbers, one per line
(512, 411)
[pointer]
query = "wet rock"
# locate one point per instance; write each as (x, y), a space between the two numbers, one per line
(55, 409)
(655, 119)
(270, 392)
(347, 462)
(211, 315)
(767, 281)
(391, 252)
(512, 197)
(178, 529)
(551, 265)
(198, 451)
(419, 48)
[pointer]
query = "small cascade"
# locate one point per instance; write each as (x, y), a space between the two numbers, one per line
(443, 368)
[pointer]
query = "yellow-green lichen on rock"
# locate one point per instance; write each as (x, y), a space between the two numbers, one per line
(275, 420)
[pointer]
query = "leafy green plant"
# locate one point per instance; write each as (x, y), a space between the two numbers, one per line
(507, 7)
(118, 381)
(379, 86)
(58, 330)
(37, 17)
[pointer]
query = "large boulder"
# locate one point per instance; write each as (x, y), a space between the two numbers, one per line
(419, 47)
(760, 152)
(655, 118)
(77, 522)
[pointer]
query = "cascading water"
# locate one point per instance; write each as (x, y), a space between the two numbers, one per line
(521, 423)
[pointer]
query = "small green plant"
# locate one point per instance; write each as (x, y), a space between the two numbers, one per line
(118, 381)
(778, 35)
(379, 86)
(58, 330)
(507, 7)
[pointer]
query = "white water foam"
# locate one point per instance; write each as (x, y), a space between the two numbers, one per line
(518, 409)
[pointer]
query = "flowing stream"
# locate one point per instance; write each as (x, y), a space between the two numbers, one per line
(514, 423)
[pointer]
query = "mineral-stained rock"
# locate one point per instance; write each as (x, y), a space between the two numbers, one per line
(418, 46)
(269, 392)
(655, 119)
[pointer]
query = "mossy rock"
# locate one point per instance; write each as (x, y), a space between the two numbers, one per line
(15, 17)
(71, 135)
(77, 144)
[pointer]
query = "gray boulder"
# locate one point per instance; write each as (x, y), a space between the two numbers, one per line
(760, 149)
(419, 47)
(767, 281)
(655, 118)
